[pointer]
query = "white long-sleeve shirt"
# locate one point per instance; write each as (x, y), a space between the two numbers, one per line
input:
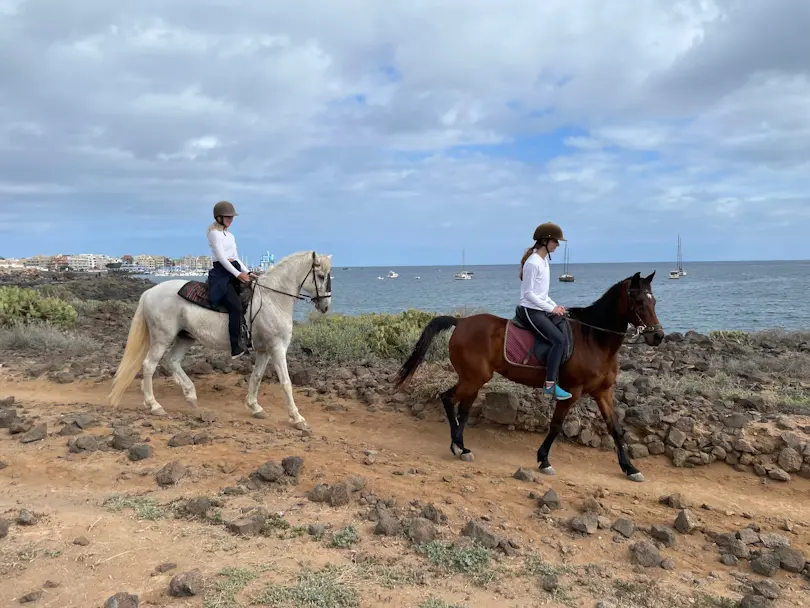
(534, 286)
(223, 250)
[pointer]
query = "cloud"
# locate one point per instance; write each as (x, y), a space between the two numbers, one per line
(363, 127)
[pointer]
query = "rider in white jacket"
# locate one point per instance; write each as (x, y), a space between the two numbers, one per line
(227, 272)
(536, 307)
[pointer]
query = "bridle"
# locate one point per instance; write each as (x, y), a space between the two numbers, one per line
(641, 327)
(317, 297)
(314, 299)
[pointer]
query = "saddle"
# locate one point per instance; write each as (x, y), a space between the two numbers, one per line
(524, 348)
(196, 292)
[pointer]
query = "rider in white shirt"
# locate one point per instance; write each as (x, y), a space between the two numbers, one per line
(228, 270)
(536, 308)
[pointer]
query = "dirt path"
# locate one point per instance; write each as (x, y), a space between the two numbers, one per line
(412, 463)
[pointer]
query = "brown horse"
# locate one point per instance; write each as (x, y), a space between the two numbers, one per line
(477, 350)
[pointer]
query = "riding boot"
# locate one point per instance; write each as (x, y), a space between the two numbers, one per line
(234, 323)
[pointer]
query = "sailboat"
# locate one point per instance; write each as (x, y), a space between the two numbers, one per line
(566, 277)
(679, 271)
(463, 275)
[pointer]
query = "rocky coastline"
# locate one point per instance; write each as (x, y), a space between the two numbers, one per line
(742, 399)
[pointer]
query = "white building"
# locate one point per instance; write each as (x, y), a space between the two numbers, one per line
(11, 263)
(90, 262)
(152, 262)
(197, 263)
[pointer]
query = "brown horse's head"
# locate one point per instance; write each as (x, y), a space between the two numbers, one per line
(641, 309)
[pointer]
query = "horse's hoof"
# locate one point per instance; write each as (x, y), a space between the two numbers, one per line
(158, 411)
(457, 451)
(260, 414)
(302, 426)
(548, 471)
(192, 403)
(636, 477)
(467, 457)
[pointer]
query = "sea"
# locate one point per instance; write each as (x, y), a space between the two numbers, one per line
(747, 296)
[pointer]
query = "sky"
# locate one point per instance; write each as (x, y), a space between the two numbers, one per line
(404, 131)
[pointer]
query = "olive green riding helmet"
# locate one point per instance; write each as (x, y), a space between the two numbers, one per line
(224, 208)
(548, 230)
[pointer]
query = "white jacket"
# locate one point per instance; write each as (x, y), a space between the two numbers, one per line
(223, 249)
(534, 286)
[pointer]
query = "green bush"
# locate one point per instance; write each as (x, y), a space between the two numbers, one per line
(21, 305)
(343, 339)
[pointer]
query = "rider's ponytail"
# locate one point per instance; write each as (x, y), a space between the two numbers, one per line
(526, 255)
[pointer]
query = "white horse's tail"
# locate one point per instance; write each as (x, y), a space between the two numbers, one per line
(134, 354)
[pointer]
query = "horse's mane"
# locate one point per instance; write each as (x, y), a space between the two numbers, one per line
(601, 313)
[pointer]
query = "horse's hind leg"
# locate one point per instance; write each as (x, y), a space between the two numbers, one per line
(173, 362)
(465, 393)
(150, 364)
(447, 398)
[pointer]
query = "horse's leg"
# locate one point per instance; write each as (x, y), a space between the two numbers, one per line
(604, 399)
(447, 398)
(173, 362)
(252, 400)
(466, 393)
(150, 363)
(560, 413)
(279, 351)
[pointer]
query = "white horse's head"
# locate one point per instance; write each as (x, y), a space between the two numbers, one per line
(318, 282)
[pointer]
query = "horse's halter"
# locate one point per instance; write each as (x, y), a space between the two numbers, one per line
(318, 296)
(327, 286)
(327, 294)
(641, 327)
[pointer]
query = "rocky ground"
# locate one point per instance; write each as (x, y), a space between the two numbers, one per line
(214, 508)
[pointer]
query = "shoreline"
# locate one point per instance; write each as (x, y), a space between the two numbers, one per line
(126, 288)
(696, 398)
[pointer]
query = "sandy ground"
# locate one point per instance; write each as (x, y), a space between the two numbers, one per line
(413, 463)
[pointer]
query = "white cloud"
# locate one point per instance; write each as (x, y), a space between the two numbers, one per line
(668, 113)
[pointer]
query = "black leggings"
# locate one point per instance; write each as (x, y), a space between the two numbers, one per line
(222, 290)
(234, 305)
(541, 324)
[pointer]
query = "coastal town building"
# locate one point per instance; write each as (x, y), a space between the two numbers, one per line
(98, 262)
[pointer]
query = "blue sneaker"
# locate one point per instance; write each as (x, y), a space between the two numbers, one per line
(557, 392)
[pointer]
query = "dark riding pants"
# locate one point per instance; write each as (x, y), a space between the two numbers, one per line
(540, 322)
(223, 288)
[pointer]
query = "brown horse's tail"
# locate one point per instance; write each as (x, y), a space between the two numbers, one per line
(436, 326)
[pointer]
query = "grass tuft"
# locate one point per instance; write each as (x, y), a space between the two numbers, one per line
(222, 591)
(144, 508)
(330, 587)
(473, 561)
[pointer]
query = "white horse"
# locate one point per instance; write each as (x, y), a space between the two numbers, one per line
(164, 318)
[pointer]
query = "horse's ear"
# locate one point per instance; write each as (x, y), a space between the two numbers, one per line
(635, 279)
(649, 279)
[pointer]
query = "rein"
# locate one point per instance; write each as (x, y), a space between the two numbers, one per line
(327, 293)
(641, 327)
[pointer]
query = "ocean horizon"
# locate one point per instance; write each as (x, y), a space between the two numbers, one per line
(746, 296)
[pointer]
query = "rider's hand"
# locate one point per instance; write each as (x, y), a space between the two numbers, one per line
(558, 310)
(243, 277)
